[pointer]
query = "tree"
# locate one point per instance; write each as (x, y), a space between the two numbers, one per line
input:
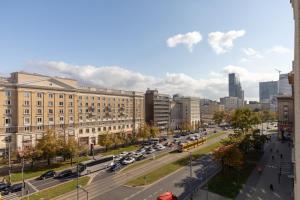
(218, 117)
(154, 131)
(32, 154)
(116, 139)
(105, 140)
(243, 119)
(48, 146)
(144, 131)
(229, 156)
(186, 126)
(69, 149)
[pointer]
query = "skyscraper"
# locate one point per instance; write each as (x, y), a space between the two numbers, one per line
(235, 88)
(267, 90)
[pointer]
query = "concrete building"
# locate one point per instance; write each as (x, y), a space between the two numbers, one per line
(267, 90)
(285, 115)
(32, 103)
(208, 108)
(254, 106)
(157, 109)
(185, 110)
(284, 88)
(234, 86)
(296, 94)
(231, 103)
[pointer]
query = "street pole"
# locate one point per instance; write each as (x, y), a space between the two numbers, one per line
(77, 169)
(9, 166)
(191, 172)
(23, 185)
(206, 184)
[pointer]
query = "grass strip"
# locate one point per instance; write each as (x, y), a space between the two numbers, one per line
(229, 182)
(58, 190)
(165, 170)
(37, 171)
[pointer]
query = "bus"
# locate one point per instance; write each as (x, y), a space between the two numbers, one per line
(185, 146)
(90, 166)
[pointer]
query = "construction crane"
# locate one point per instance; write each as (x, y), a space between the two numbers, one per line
(279, 71)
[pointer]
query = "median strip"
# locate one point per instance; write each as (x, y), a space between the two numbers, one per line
(58, 190)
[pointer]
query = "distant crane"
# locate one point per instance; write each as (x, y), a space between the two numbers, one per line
(279, 71)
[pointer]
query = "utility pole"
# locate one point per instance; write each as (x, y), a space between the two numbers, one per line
(77, 187)
(9, 166)
(191, 172)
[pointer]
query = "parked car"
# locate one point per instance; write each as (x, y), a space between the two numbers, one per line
(124, 153)
(48, 174)
(64, 174)
(128, 160)
(150, 150)
(160, 147)
(177, 136)
(3, 186)
(141, 150)
(13, 188)
(115, 167)
(141, 157)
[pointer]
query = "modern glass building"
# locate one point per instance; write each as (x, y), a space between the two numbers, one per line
(235, 88)
(267, 90)
(284, 88)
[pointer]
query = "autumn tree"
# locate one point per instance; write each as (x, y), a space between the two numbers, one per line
(154, 131)
(243, 119)
(144, 131)
(68, 148)
(48, 146)
(32, 154)
(218, 117)
(105, 140)
(229, 156)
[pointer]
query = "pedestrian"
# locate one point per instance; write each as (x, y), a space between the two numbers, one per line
(281, 156)
(271, 187)
(271, 150)
(279, 175)
(277, 151)
(272, 157)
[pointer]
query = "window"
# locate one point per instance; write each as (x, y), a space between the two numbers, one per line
(99, 98)
(93, 98)
(26, 94)
(80, 131)
(8, 130)
(61, 111)
(80, 97)
(39, 120)
(70, 96)
(61, 96)
(50, 95)
(39, 103)
(8, 93)
(39, 128)
(104, 128)
(93, 130)
(86, 97)
(71, 118)
(26, 128)
(26, 111)
(51, 120)
(50, 111)
(98, 104)
(70, 104)
(87, 130)
(7, 121)
(86, 104)
(61, 103)
(39, 111)
(61, 119)
(99, 129)
(80, 118)
(98, 110)
(26, 103)
(8, 111)
(26, 121)
(50, 103)
(70, 110)
(8, 102)
(39, 95)
(80, 110)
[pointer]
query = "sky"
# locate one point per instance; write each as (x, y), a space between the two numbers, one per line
(176, 46)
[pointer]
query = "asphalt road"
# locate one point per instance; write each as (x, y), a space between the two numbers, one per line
(115, 181)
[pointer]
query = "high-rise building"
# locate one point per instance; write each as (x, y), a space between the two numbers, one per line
(235, 88)
(284, 88)
(32, 103)
(267, 90)
(157, 109)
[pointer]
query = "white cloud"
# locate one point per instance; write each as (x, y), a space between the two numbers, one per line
(214, 87)
(223, 42)
(278, 49)
(190, 39)
(252, 53)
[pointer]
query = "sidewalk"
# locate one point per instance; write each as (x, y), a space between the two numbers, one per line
(258, 186)
(203, 194)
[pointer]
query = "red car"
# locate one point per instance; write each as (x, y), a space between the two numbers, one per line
(166, 196)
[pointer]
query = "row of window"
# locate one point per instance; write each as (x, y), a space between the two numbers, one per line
(109, 128)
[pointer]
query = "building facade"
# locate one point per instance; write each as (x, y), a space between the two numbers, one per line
(157, 109)
(284, 87)
(33, 103)
(185, 110)
(285, 115)
(208, 108)
(267, 90)
(231, 103)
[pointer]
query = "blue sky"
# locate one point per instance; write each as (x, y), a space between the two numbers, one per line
(129, 38)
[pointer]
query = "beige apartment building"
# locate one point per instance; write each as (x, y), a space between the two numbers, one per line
(185, 109)
(32, 103)
(208, 108)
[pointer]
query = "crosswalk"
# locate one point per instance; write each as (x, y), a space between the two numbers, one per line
(11, 196)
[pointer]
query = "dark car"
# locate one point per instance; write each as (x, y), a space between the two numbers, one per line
(176, 136)
(115, 167)
(13, 188)
(141, 157)
(48, 174)
(3, 186)
(65, 174)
